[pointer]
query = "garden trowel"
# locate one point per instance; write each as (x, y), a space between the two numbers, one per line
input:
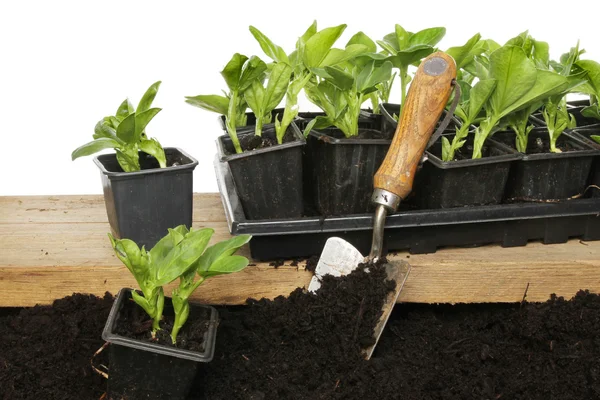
(427, 97)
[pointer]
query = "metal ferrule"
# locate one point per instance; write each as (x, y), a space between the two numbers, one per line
(387, 199)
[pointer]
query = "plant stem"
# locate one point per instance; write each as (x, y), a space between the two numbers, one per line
(403, 83)
(258, 127)
(160, 305)
(230, 121)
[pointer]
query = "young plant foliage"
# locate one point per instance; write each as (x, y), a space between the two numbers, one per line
(125, 132)
(180, 254)
(239, 74)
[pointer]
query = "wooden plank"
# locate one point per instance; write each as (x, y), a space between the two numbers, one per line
(87, 209)
(45, 256)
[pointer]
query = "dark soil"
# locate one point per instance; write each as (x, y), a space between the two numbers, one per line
(308, 347)
(134, 323)
(310, 342)
(249, 141)
(45, 351)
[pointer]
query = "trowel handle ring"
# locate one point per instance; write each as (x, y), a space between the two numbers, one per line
(427, 97)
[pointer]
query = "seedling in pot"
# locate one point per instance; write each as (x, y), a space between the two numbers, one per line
(314, 49)
(240, 74)
(555, 112)
(519, 85)
(405, 48)
(340, 91)
(125, 132)
(469, 112)
(182, 254)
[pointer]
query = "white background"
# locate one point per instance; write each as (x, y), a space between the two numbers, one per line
(66, 64)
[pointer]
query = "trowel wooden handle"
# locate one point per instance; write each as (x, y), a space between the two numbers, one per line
(427, 97)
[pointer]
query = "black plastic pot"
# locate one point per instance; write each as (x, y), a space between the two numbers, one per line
(389, 123)
(251, 122)
(594, 181)
(583, 123)
(464, 181)
(268, 180)
(143, 205)
(144, 370)
(342, 170)
(549, 176)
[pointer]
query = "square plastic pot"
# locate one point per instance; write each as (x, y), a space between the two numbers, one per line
(251, 122)
(594, 181)
(143, 205)
(463, 182)
(145, 370)
(268, 180)
(549, 176)
(389, 123)
(342, 170)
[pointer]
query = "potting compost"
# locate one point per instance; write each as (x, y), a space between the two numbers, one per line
(308, 347)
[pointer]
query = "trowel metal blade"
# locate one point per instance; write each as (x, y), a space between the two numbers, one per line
(397, 271)
(338, 258)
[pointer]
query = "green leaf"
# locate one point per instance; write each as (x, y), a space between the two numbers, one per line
(104, 130)
(591, 112)
(253, 70)
(595, 138)
(404, 58)
(219, 250)
(255, 96)
(134, 258)
(124, 110)
(94, 147)
(319, 44)
(429, 36)
(547, 84)
(312, 29)
(362, 39)
(142, 120)
(225, 265)
(372, 75)
(279, 79)
(319, 122)
(126, 130)
(165, 245)
(148, 98)
(402, 38)
(541, 54)
(338, 77)
(515, 75)
(338, 56)
(153, 147)
(479, 95)
(271, 49)
(446, 149)
(233, 71)
(593, 74)
(183, 256)
(209, 102)
(464, 54)
(128, 159)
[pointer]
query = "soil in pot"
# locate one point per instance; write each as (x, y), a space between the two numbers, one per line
(463, 181)
(267, 177)
(541, 175)
(134, 323)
